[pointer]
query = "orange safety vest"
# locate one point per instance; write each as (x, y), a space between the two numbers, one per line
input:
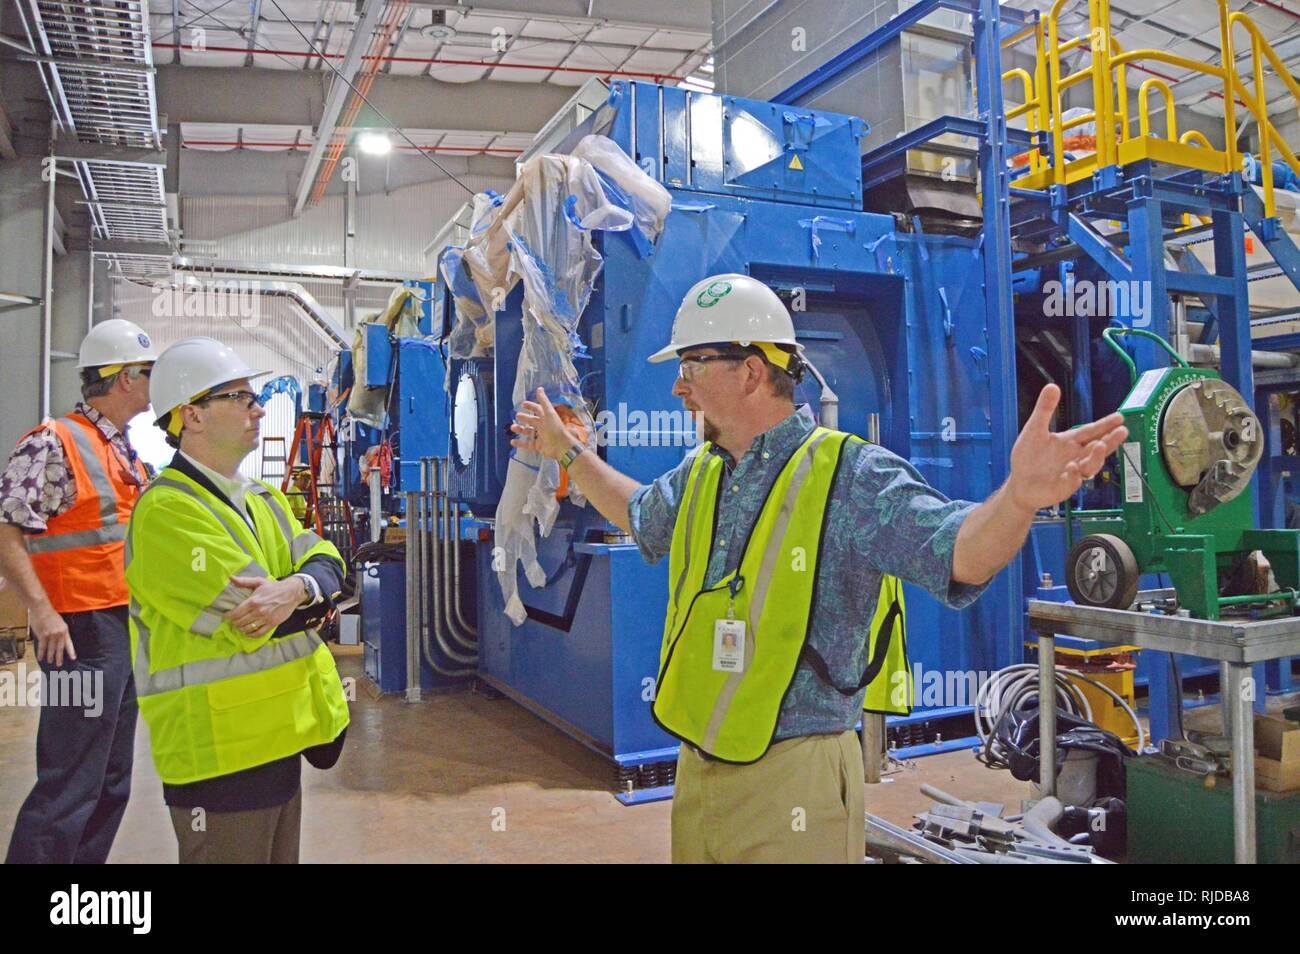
(79, 558)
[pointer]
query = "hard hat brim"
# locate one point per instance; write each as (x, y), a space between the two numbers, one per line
(672, 350)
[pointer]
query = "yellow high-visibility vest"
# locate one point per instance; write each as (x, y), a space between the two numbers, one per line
(732, 715)
(216, 700)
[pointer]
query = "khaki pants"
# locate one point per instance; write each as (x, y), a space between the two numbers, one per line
(801, 802)
(259, 837)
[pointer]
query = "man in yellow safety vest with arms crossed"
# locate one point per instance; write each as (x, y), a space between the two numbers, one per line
(227, 589)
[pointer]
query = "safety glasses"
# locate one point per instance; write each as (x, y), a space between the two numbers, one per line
(247, 400)
(688, 368)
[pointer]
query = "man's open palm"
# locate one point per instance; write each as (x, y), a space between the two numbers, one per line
(1048, 466)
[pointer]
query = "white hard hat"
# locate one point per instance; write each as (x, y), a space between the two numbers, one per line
(194, 366)
(729, 309)
(116, 341)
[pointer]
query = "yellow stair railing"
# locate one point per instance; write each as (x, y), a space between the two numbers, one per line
(1105, 72)
(1269, 137)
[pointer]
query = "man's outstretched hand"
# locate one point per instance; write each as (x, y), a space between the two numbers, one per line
(1048, 466)
(541, 429)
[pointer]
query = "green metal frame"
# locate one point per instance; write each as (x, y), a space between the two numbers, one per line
(1154, 520)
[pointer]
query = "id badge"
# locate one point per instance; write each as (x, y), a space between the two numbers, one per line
(729, 645)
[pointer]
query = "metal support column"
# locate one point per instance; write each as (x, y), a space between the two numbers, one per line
(1046, 715)
(1147, 244)
(1237, 698)
(999, 300)
(49, 170)
(1081, 354)
(1164, 697)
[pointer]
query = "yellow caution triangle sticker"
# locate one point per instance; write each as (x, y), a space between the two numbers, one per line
(795, 163)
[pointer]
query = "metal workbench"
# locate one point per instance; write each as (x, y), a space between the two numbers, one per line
(1236, 643)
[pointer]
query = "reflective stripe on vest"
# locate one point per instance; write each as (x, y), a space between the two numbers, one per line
(301, 541)
(77, 538)
(733, 716)
(275, 653)
(216, 702)
(722, 705)
(109, 529)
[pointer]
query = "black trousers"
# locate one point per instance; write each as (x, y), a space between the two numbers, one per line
(84, 747)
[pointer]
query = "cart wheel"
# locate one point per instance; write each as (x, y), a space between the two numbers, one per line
(1102, 571)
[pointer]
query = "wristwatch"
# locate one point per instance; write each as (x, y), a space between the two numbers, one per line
(571, 455)
(311, 589)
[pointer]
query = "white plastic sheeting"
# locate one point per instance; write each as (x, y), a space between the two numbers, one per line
(540, 233)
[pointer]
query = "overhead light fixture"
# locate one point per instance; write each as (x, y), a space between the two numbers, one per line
(375, 143)
(438, 28)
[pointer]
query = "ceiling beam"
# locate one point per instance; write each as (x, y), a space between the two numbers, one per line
(338, 97)
(691, 15)
(71, 149)
(153, 249)
(190, 94)
(252, 32)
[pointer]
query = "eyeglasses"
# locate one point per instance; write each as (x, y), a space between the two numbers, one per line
(687, 368)
(247, 397)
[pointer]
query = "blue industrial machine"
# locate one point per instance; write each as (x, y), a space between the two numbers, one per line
(773, 191)
(396, 591)
(932, 329)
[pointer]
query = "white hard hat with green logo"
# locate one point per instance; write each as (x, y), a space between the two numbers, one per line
(731, 309)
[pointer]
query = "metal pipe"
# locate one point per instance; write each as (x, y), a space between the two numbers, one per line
(1257, 598)
(335, 101)
(376, 507)
(458, 635)
(1046, 715)
(889, 836)
(1179, 335)
(412, 608)
(460, 616)
(1225, 714)
(436, 616)
(1238, 697)
(90, 290)
(47, 280)
(830, 401)
(1209, 354)
(432, 61)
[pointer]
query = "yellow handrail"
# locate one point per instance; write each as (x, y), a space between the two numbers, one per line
(1121, 77)
(1267, 127)
(1144, 112)
(1106, 70)
(1028, 84)
(1260, 49)
(1102, 46)
(1054, 87)
(1229, 71)
(1278, 66)
(1029, 107)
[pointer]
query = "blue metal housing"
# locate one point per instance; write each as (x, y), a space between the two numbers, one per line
(383, 629)
(896, 323)
(421, 413)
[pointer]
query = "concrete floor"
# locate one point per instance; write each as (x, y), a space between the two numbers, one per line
(427, 782)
